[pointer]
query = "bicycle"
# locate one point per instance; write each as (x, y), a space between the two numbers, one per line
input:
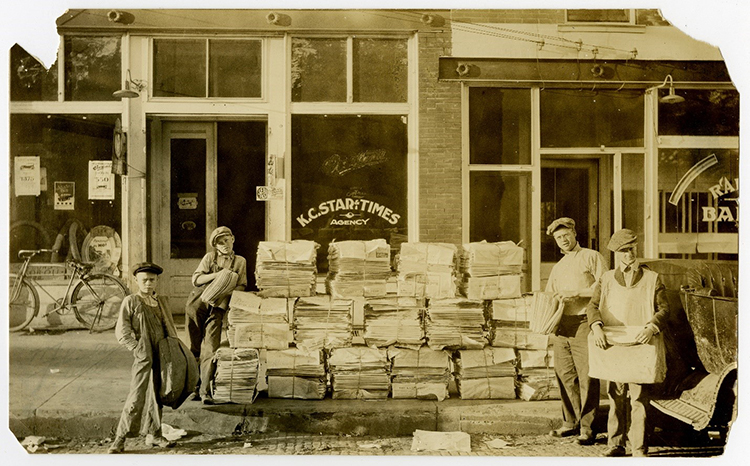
(95, 299)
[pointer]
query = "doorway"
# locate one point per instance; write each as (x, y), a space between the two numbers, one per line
(204, 176)
(575, 187)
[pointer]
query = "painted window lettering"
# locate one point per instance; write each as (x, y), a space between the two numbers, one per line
(348, 204)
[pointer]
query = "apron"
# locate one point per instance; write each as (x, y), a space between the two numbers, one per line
(631, 306)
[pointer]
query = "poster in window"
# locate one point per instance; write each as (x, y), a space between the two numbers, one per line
(101, 180)
(349, 179)
(65, 195)
(27, 176)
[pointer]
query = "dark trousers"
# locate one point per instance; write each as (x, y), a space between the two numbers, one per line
(579, 393)
(203, 324)
(624, 399)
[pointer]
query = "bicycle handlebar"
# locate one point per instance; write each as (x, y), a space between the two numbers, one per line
(29, 253)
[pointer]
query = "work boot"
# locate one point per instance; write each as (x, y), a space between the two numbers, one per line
(563, 432)
(118, 446)
(154, 441)
(586, 439)
(640, 452)
(617, 450)
(195, 396)
(208, 399)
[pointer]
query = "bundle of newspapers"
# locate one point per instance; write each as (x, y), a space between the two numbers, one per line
(256, 322)
(486, 374)
(359, 372)
(394, 321)
(426, 270)
(236, 375)
(322, 322)
(358, 268)
(419, 373)
(546, 312)
(509, 323)
(490, 270)
(455, 323)
(286, 269)
(296, 373)
(536, 375)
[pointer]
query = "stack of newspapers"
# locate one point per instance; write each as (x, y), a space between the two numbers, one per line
(358, 268)
(286, 269)
(536, 375)
(359, 372)
(455, 323)
(490, 270)
(256, 322)
(236, 375)
(486, 374)
(426, 270)
(419, 373)
(509, 323)
(394, 321)
(296, 373)
(322, 322)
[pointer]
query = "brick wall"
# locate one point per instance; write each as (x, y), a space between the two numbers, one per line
(509, 16)
(439, 144)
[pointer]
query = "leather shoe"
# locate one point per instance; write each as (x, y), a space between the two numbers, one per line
(118, 446)
(586, 439)
(563, 432)
(639, 453)
(195, 396)
(208, 399)
(615, 451)
(152, 441)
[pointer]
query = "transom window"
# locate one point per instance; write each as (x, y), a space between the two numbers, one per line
(609, 16)
(208, 68)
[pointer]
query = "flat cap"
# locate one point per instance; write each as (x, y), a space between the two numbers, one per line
(217, 233)
(622, 239)
(562, 222)
(147, 267)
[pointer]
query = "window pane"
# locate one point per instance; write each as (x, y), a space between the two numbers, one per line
(500, 209)
(64, 144)
(235, 67)
(29, 79)
(703, 113)
(699, 214)
(380, 70)
(633, 196)
(499, 125)
(565, 193)
(92, 67)
(349, 179)
(179, 68)
(599, 16)
(318, 70)
(188, 198)
(579, 118)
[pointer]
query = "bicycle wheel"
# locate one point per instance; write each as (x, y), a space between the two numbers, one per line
(23, 302)
(96, 301)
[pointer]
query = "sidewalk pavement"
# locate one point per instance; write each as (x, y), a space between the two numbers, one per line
(70, 383)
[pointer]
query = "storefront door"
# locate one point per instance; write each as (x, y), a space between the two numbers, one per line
(574, 187)
(205, 176)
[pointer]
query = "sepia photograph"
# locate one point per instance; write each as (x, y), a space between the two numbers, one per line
(412, 231)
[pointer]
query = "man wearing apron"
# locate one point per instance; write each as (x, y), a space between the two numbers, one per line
(573, 280)
(629, 295)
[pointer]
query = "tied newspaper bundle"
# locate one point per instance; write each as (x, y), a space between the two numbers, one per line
(455, 323)
(286, 269)
(420, 373)
(490, 270)
(323, 322)
(359, 372)
(296, 373)
(256, 322)
(236, 375)
(509, 324)
(546, 312)
(358, 268)
(486, 374)
(536, 375)
(426, 270)
(394, 321)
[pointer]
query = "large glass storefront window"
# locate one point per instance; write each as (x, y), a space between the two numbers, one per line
(55, 188)
(499, 126)
(633, 182)
(699, 203)
(584, 118)
(349, 178)
(29, 79)
(705, 112)
(92, 67)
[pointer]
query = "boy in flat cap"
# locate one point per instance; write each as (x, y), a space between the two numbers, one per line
(204, 321)
(573, 280)
(629, 295)
(144, 320)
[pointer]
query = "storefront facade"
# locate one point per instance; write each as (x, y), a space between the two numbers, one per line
(439, 126)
